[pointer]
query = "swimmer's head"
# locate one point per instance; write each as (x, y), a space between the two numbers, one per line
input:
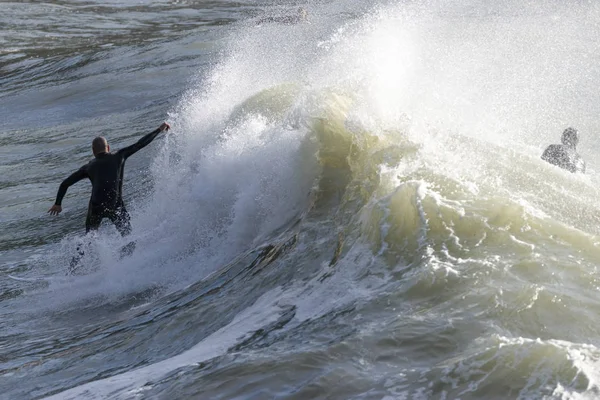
(570, 137)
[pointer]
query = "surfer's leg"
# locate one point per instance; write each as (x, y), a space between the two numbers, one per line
(120, 217)
(93, 219)
(92, 223)
(122, 222)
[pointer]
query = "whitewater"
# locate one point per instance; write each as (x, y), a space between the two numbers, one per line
(351, 206)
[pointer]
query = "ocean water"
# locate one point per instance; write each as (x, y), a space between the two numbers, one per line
(352, 206)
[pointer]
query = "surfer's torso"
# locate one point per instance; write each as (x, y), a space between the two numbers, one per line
(106, 174)
(565, 157)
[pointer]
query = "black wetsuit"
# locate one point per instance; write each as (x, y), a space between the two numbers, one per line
(106, 174)
(565, 157)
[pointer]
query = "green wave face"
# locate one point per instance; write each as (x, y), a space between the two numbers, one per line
(449, 206)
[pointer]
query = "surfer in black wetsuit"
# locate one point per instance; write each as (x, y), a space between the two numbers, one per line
(565, 155)
(105, 172)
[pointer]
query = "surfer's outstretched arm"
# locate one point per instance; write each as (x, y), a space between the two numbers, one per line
(75, 177)
(143, 142)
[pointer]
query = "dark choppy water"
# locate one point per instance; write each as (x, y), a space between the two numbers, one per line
(348, 207)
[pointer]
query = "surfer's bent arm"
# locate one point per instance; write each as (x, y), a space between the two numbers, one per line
(143, 142)
(75, 177)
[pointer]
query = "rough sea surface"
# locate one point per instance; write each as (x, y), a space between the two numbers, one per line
(350, 206)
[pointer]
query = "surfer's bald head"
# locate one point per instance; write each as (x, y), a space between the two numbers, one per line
(100, 145)
(570, 137)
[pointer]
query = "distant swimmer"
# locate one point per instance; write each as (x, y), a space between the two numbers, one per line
(300, 16)
(565, 155)
(105, 172)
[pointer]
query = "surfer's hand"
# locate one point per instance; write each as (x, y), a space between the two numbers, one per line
(55, 210)
(164, 127)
